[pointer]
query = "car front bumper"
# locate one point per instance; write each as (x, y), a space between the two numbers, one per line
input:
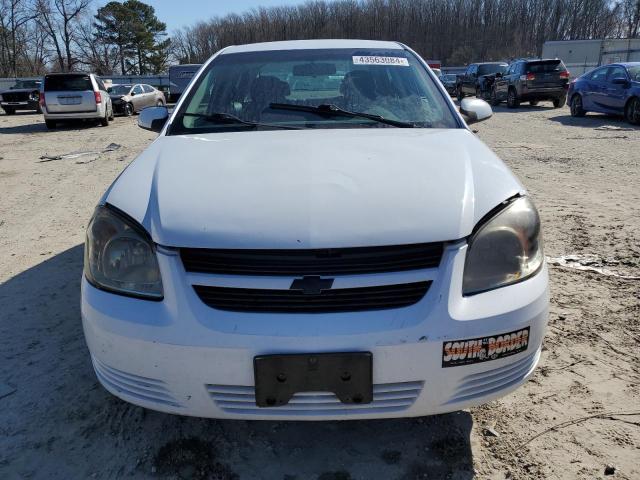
(23, 105)
(181, 356)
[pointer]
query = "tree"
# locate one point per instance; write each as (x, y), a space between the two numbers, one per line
(14, 15)
(133, 28)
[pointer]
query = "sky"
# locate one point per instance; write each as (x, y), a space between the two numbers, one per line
(178, 13)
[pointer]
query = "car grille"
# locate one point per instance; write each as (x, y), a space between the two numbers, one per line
(387, 397)
(15, 96)
(339, 261)
(327, 301)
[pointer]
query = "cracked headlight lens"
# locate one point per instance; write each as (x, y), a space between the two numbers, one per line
(504, 250)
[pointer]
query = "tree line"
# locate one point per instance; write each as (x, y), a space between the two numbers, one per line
(126, 37)
(38, 36)
(453, 31)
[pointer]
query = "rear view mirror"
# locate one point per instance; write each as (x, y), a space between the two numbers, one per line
(314, 69)
(153, 118)
(475, 110)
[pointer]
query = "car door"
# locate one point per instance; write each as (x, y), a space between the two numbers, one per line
(615, 94)
(137, 98)
(502, 83)
(150, 94)
(593, 90)
(469, 82)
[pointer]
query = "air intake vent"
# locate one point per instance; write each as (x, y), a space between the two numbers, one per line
(328, 301)
(387, 397)
(339, 261)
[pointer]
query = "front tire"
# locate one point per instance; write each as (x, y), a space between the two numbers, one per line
(512, 99)
(9, 111)
(576, 107)
(460, 95)
(533, 103)
(128, 109)
(632, 111)
(494, 98)
(560, 102)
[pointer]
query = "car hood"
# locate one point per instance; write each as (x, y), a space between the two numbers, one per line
(312, 188)
(20, 90)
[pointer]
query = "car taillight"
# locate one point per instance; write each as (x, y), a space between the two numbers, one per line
(42, 102)
(98, 97)
(565, 74)
(528, 76)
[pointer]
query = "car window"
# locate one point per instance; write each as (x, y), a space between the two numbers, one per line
(634, 73)
(599, 75)
(101, 85)
(390, 83)
(74, 83)
(120, 89)
(545, 66)
(491, 68)
(616, 72)
(147, 88)
(137, 90)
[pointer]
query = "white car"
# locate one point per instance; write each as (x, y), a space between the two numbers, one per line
(75, 96)
(348, 250)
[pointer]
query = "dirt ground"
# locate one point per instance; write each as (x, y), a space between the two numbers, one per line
(577, 418)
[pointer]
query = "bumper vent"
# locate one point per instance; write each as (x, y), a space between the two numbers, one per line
(133, 387)
(387, 397)
(339, 261)
(492, 381)
(328, 301)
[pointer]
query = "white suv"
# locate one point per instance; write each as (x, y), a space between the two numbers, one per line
(75, 96)
(316, 234)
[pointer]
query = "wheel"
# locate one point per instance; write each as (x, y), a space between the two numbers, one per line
(128, 109)
(632, 111)
(512, 99)
(51, 124)
(9, 110)
(560, 102)
(159, 103)
(533, 103)
(105, 121)
(111, 116)
(460, 95)
(494, 98)
(576, 107)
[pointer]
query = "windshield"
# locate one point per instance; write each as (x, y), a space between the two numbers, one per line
(546, 66)
(257, 87)
(492, 68)
(120, 89)
(634, 73)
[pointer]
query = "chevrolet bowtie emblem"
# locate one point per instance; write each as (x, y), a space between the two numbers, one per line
(312, 285)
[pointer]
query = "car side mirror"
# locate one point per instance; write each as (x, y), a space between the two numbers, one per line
(153, 118)
(620, 81)
(133, 94)
(475, 110)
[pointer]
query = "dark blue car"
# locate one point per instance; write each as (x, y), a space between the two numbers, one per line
(613, 89)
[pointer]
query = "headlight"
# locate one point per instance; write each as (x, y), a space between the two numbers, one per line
(120, 257)
(505, 250)
(34, 96)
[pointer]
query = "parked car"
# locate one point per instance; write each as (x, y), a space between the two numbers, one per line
(449, 81)
(358, 242)
(472, 81)
(612, 89)
(532, 81)
(24, 95)
(75, 96)
(129, 99)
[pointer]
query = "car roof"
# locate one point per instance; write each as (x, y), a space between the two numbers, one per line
(490, 63)
(312, 45)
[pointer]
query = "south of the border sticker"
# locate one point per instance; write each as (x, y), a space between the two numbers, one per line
(476, 350)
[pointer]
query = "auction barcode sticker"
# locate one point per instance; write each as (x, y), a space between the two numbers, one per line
(363, 60)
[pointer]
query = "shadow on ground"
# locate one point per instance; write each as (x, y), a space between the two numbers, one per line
(593, 120)
(40, 126)
(59, 423)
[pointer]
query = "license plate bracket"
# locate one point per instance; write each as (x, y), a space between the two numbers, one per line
(348, 375)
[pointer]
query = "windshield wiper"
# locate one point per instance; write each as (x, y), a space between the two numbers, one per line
(227, 118)
(331, 110)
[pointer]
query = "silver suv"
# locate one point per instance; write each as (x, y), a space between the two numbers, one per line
(75, 96)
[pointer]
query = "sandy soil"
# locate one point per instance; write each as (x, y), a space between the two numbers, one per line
(56, 422)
